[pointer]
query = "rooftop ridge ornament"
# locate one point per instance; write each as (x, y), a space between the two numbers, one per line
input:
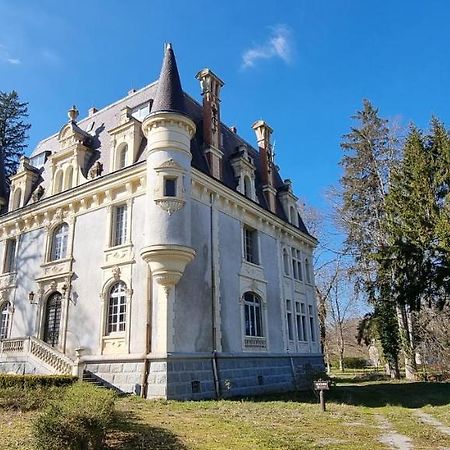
(73, 114)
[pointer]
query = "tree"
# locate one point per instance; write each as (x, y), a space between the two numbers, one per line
(417, 257)
(370, 153)
(13, 130)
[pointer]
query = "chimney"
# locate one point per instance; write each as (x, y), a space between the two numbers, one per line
(263, 134)
(211, 84)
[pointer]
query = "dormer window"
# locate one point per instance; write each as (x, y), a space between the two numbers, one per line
(122, 156)
(244, 171)
(17, 199)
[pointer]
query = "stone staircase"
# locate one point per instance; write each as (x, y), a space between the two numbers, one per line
(93, 379)
(30, 351)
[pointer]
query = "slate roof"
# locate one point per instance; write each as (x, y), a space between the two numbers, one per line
(165, 95)
(169, 95)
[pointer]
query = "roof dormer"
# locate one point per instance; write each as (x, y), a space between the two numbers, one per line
(244, 171)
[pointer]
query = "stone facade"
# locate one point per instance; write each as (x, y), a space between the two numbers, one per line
(151, 246)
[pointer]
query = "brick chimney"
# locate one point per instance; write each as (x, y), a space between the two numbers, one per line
(263, 134)
(211, 84)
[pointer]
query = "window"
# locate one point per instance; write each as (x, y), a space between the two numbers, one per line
(17, 199)
(253, 316)
(308, 270)
(117, 307)
(311, 323)
(251, 245)
(170, 187)
(300, 321)
(58, 182)
(293, 215)
(52, 319)
(289, 320)
(5, 312)
(297, 264)
(68, 177)
(247, 187)
(59, 242)
(122, 157)
(119, 231)
(10, 256)
(286, 261)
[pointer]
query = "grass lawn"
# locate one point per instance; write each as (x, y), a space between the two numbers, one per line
(358, 416)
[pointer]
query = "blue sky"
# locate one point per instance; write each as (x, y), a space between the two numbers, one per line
(303, 66)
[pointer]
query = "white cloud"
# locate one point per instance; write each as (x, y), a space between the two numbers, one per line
(6, 57)
(279, 45)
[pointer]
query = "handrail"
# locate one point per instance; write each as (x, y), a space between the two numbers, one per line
(50, 356)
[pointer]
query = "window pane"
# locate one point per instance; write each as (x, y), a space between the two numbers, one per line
(4, 320)
(10, 260)
(120, 225)
(59, 242)
(170, 187)
(117, 306)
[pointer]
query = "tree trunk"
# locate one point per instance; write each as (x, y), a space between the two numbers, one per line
(405, 321)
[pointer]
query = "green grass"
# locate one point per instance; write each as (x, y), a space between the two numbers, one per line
(285, 421)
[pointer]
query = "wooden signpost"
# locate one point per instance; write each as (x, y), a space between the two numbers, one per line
(322, 386)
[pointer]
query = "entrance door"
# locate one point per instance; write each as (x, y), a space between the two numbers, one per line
(52, 319)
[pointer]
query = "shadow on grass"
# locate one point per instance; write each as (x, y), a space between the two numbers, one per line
(407, 395)
(130, 432)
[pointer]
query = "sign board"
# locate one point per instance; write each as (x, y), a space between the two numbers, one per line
(321, 385)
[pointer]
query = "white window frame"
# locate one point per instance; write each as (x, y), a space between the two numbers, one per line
(59, 250)
(114, 325)
(250, 248)
(297, 269)
(10, 258)
(253, 309)
(5, 320)
(119, 231)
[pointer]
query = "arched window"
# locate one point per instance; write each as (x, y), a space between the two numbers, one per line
(58, 182)
(253, 315)
(68, 178)
(17, 198)
(247, 187)
(117, 308)
(59, 242)
(293, 214)
(52, 319)
(5, 312)
(286, 261)
(122, 156)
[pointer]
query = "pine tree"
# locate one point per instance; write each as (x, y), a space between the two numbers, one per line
(13, 129)
(371, 152)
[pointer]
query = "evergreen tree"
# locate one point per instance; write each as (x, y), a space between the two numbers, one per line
(370, 154)
(13, 129)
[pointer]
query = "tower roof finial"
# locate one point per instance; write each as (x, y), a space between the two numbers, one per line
(169, 94)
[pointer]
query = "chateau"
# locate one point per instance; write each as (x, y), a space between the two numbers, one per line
(150, 247)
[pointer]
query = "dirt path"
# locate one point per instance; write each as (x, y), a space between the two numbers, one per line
(430, 420)
(390, 437)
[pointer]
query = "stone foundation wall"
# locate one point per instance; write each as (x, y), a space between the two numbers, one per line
(192, 377)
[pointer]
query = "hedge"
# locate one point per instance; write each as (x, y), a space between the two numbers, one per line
(34, 381)
(78, 421)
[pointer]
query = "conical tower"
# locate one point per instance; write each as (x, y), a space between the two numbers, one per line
(169, 131)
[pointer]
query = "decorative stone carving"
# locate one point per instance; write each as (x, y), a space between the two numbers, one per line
(116, 273)
(96, 170)
(37, 194)
(170, 205)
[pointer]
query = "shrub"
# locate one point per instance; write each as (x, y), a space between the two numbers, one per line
(78, 422)
(21, 399)
(33, 381)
